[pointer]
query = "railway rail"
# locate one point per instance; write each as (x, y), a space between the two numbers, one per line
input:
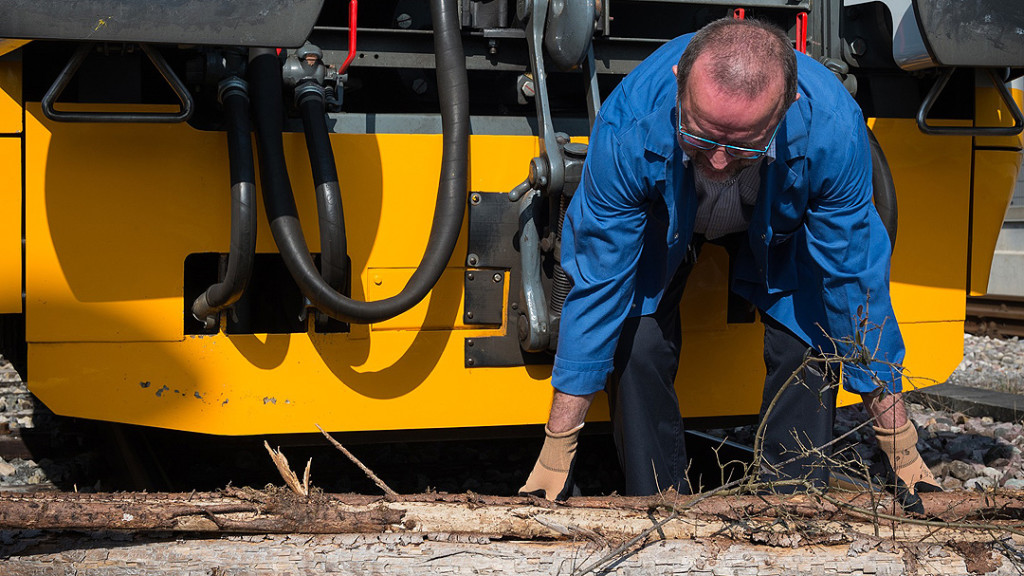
(995, 316)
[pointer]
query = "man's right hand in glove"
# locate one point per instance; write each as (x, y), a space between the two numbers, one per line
(552, 474)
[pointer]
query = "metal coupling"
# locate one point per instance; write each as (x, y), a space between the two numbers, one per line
(232, 84)
(309, 90)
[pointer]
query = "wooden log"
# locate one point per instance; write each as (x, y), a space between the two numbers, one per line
(243, 531)
(109, 554)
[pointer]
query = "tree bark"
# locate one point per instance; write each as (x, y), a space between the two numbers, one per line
(243, 531)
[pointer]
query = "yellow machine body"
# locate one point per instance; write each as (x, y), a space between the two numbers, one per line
(97, 220)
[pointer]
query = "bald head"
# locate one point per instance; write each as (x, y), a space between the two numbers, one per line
(743, 58)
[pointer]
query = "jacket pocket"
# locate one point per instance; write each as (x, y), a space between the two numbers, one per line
(780, 262)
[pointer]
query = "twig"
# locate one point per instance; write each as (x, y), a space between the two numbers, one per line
(369, 473)
(290, 479)
(614, 554)
(916, 521)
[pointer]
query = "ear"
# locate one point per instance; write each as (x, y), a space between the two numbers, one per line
(797, 97)
(675, 70)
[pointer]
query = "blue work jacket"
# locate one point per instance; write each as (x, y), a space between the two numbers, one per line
(817, 260)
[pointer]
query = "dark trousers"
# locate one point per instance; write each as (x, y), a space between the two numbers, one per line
(646, 422)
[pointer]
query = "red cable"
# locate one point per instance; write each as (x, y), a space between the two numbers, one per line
(353, 11)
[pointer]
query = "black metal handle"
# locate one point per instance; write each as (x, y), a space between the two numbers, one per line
(1004, 93)
(187, 104)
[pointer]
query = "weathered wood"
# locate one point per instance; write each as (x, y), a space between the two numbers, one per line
(281, 511)
(417, 554)
(470, 534)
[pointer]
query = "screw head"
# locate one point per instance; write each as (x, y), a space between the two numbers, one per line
(474, 198)
(470, 276)
(496, 277)
(469, 314)
(470, 362)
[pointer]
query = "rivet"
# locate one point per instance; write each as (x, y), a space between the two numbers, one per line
(469, 314)
(470, 276)
(470, 361)
(474, 198)
(469, 343)
(515, 305)
(378, 280)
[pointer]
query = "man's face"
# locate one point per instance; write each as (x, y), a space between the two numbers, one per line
(710, 113)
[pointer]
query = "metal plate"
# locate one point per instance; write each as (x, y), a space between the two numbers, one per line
(266, 23)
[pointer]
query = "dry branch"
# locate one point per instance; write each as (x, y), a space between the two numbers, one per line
(369, 473)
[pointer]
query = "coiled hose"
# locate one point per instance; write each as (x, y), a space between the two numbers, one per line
(265, 73)
(235, 98)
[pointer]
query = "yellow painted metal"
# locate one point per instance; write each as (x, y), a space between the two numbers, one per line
(989, 110)
(10, 225)
(112, 211)
(932, 175)
(10, 97)
(11, 44)
(995, 176)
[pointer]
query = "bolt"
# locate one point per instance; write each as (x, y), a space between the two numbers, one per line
(470, 277)
(419, 86)
(469, 343)
(403, 20)
(469, 314)
(474, 198)
(496, 277)
(472, 260)
(377, 280)
(515, 305)
(470, 361)
(528, 88)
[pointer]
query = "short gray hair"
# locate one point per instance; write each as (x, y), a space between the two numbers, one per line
(746, 56)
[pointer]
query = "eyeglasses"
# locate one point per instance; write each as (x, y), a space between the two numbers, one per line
(734, 151)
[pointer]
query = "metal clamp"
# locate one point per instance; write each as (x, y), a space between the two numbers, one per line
(186, 101)
(1004, 93)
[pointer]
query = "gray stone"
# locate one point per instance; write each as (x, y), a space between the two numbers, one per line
(1014, 484)
(979, 484)
(989, 472)
(6, 469)
(961, 470)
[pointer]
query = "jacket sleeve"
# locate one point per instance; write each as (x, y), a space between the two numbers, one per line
(601, 243)
(847, 240)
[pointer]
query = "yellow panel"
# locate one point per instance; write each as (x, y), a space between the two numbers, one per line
(989, 110)
(932, 175)
(11, 44)
(995, 176)
(287, 383)
(10, 97)
(10, 225)
(112, 211)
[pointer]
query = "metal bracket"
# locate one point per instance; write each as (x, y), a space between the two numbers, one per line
(1004, 93)
(185, 98)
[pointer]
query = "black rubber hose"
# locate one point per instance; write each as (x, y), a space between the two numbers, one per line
(330, 212)
(884, 189)
(243, 208)
(452, 186)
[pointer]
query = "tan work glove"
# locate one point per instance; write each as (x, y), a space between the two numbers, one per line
(900, 447)
(552, 474)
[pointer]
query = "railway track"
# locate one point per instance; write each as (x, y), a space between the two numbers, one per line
(995, 316)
